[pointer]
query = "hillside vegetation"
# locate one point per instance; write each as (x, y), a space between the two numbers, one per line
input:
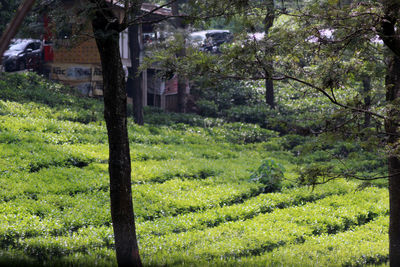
(201, 189)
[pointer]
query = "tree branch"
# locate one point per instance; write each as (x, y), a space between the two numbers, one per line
(332, 99)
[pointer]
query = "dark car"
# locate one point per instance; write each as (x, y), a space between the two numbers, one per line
(23, 54)
(210, 40)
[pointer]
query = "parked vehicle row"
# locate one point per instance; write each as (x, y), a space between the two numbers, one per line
(28, 53)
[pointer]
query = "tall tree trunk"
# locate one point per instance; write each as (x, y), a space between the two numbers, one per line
(389, 33)
(367, 99)
(182, 94)
(391, 127)
(134, 78)
(107, 39)
(269, 84)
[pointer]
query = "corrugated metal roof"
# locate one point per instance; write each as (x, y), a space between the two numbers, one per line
(146, 7)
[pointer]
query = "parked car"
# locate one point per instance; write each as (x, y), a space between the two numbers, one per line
(210, 40)
(23, 54)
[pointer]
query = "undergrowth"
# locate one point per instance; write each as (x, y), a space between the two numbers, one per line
(206, 191)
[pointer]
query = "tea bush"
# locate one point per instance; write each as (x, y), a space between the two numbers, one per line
(286, 226)
(263, 203)
(366, 245)
(193, 199)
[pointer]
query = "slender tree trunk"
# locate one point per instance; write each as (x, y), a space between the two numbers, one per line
(182, 94)
(269, 93)
(107, 39)
(367, 100)
(269, 84)
(391, 127)
(134, 78)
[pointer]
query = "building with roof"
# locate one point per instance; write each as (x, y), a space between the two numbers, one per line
(77, 62)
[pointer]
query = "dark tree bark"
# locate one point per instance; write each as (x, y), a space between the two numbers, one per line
(367, 99)
(269, 93)
(134, 78)
(269, 84)
(391, 126)
(182, 94)
(390, 34)
(106, 33)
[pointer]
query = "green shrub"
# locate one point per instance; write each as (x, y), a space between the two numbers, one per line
(226, 93)
(270, 174)
(251, 114)
(293, 140)
(242, 133)
(157, 116)
(207, 108)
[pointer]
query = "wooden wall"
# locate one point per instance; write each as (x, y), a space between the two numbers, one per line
(85, 52)
(171, 103)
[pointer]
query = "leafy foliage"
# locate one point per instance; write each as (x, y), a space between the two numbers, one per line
(270, 174)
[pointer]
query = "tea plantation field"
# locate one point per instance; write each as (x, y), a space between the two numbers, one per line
(194, 201)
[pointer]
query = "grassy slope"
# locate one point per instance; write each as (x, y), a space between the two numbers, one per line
(193, 199)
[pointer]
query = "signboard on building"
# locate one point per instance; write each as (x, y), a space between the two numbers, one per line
(85, 77)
